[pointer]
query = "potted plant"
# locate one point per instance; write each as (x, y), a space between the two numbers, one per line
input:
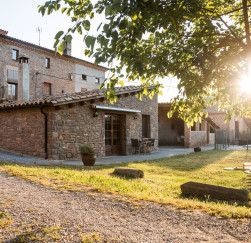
(197, 149)
(87, 153)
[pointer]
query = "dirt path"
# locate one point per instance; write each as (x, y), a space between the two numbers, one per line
(36, 213)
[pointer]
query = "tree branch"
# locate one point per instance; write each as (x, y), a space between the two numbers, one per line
(237, 9)
(228, 27)
(245, 14)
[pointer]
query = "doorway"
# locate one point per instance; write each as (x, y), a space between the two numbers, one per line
(112, 134)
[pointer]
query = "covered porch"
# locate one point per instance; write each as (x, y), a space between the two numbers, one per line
(173, 131)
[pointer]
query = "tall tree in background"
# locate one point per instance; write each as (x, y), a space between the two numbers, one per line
(204, 43)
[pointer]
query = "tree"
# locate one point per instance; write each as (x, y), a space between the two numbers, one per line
(204, 43)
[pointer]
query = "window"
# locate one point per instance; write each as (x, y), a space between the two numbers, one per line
(97, 81)
(84, 77)
(83, 89)
(15, 54)
(200, 127)
(12, 76)
(47, 89)
(212, 130)
(12, 91)
(193, 128)
(146, 126)
(47, 62)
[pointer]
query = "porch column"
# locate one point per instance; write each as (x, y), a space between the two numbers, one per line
(187, 136)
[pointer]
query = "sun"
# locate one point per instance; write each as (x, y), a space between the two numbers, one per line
(245, 84)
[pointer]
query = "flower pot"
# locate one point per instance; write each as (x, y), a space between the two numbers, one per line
(198, 149)
(89, 159)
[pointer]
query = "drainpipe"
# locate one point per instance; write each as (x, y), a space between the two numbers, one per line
(45, 133)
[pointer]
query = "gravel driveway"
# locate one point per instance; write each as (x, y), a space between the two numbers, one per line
(34, 212)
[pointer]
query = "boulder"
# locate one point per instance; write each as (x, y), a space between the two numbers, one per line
(217, 192)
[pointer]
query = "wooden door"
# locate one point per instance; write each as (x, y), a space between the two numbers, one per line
(112, 135)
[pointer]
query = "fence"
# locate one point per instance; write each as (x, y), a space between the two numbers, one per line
(226, 138)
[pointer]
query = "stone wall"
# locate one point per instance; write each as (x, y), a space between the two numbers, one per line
(76, 125)
(22, 131)
(211, 138)
(91, 75)
(198, 138)
(58, 73)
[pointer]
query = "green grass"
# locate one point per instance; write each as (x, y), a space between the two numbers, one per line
(161, 182)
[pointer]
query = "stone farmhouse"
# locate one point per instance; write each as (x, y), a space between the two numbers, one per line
(51, 104)
(28, 71)
(175, 132)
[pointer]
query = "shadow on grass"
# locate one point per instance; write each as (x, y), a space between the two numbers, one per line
(207, 199)
(184, 162)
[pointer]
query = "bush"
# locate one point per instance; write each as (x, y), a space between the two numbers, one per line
(86, 149)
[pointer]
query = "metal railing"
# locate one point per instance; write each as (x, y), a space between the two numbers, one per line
(226, 138)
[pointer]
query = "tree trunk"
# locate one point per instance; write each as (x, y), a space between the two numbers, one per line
(217, 192)
(129, 172)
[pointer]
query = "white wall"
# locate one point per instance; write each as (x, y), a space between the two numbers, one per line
(91, 75)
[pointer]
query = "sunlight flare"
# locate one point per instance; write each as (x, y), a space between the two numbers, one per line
(245, 84)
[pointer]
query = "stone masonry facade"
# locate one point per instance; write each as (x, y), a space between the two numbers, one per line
(75, 126)
(71, 125)
(22, 131)
(60, 74)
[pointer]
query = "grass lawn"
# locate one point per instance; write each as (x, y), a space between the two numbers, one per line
(161, 182)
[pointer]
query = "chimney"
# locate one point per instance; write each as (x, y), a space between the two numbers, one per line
(67, 50)
(3, 32)
(25, 78)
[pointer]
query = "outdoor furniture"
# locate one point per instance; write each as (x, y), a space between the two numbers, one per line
(178, 140)
(152, 142)
(136, 145)
(145, 145)
(246, 165)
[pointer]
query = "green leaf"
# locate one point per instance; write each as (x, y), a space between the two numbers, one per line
(79, 29)
(108, 10)
(61, 47)
(68, 38)
(58, 35)
(134, 17)
(86, 24)
(90, 41)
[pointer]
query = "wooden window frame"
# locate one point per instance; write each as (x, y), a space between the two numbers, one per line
(47, 62)
(16, 54)
(50, 93)
(16, 91)
(146, 128)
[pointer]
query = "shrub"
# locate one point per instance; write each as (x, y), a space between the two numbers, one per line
(86, 149)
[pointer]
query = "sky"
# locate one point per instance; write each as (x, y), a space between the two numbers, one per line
(21, 19)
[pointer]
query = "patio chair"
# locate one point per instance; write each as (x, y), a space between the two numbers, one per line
(151, 145)
(135, 145)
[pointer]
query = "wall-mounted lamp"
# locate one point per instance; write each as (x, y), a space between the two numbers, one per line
(95, 114)
(135, 117)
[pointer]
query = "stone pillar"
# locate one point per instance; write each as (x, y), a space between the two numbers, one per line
(187, 136)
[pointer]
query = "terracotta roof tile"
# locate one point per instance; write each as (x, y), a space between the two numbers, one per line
(65, 98)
